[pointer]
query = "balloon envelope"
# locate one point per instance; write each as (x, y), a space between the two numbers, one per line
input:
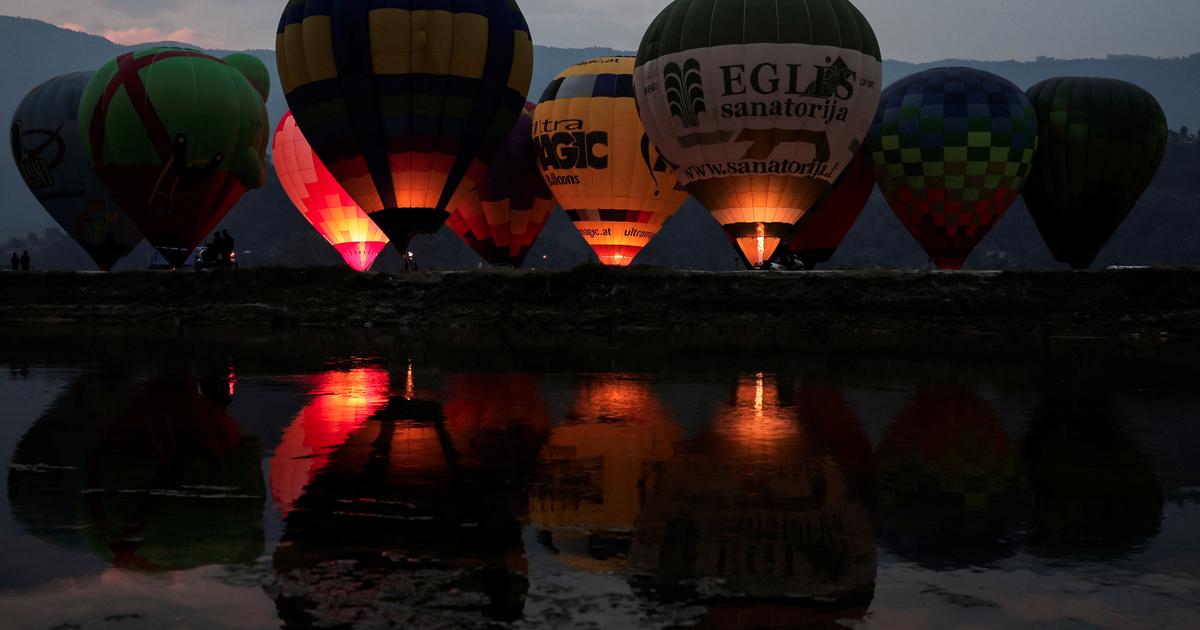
(952, 148)
(760, 105)
(510, 205)
(321, 199)
(177, 136)
(597, 159)
(51, 158)
(1102, 141)
(405, 101)
(823, 228)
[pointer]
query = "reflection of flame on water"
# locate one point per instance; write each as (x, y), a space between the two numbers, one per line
(590, 473)
(342, 402)
(410, 388)
(761, 515)
(758, 422)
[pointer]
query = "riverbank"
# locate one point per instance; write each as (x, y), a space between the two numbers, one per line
(1125, 303)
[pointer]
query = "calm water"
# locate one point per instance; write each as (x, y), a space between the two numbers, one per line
(214, 479)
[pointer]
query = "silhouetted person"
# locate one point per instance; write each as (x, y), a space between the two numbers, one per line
(25, 261)
(228, 240)
(16, 262)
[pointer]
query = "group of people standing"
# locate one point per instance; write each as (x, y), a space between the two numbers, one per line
(20, 263)
(221, 249)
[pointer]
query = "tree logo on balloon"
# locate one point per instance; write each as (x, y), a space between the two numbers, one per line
(36, 169)
(685, 91)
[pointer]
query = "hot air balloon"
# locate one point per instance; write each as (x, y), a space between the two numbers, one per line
(405, 101)
(177, 136)
(510, 205)
(1102, 142)
(50, 156)
(759, 105)
(321, 199)
(821, 230)
(611, 180)
(952, 148)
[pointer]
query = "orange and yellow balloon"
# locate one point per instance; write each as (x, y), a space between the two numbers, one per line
(322, 201)
(602, 168)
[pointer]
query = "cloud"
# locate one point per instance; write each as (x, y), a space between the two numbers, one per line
(130, 36)
(71, 26)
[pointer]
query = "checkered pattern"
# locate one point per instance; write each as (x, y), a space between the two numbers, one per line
(952, 148)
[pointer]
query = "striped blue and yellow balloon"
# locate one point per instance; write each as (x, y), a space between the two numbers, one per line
(405, 101)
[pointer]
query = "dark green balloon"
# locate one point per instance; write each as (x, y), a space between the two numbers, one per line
(1102, 141)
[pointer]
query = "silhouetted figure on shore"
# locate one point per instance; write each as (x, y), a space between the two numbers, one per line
(228, 250)
(220, 247)
(410, 262)
(25, 261)
(16, 262)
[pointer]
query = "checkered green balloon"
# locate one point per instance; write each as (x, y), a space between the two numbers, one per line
(952, 148)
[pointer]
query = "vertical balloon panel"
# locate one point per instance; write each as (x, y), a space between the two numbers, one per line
(407, 102)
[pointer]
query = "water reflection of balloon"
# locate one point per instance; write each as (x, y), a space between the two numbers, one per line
(321, 200)
(177, 136)
(405, 102)
(765, 511)
(419, 486)
(587, 493)
(949, 488)
(154, 475)
(495, 420)
(604, 171)
(756, 140)
(341, 402)
(1095, 489)
(50, 155)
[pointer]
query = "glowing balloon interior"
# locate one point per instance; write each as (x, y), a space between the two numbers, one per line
(321, 199)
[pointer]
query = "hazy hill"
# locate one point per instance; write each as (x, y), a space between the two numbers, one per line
(32, 51)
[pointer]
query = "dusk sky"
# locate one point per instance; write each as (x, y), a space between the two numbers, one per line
(911, 30)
